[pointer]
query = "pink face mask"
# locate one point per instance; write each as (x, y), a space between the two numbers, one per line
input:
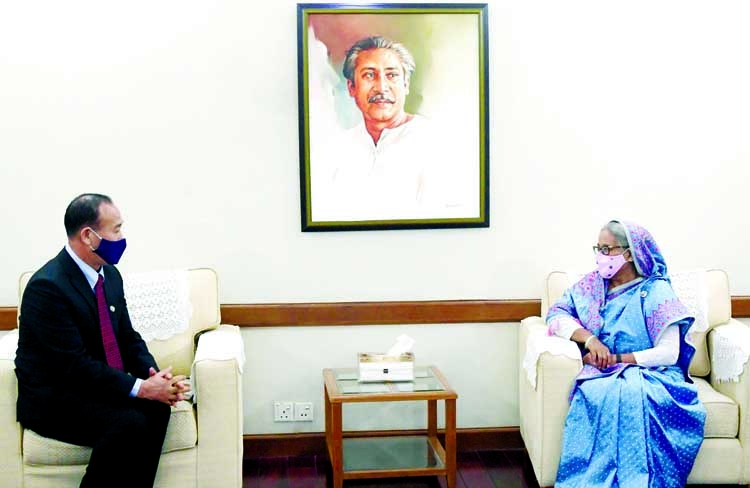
(608, 266)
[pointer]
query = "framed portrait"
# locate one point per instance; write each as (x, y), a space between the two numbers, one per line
(393, 116)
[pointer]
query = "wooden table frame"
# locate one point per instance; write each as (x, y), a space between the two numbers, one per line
(334, 401)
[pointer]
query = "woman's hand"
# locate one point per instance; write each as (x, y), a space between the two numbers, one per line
(598, 355)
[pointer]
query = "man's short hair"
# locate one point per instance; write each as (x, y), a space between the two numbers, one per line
(83, 211)
(378, 42)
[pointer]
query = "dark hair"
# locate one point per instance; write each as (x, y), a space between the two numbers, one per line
(83, 211)
(378, 42)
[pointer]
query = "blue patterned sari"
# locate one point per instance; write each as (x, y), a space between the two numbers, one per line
(630, 425)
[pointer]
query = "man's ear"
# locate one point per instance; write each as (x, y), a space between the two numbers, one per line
(85, 236)
(350, 87)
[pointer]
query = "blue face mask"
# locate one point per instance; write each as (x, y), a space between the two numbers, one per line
(110, 251)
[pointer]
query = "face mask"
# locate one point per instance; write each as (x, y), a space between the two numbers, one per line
(608, 266)
(109, 251)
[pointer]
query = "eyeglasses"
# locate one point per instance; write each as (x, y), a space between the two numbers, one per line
(607, 249)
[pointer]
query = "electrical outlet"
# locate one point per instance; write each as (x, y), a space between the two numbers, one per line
(303, 411)
(283, 411)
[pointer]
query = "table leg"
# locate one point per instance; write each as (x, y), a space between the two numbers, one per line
(337, 446)
(450, 442)
(432, 418)
(327, 413)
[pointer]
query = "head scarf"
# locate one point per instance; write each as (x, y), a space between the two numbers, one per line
(647, 257)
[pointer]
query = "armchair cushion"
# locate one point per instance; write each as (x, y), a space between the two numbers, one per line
(722, 413)
(182, 433)
(41, 450)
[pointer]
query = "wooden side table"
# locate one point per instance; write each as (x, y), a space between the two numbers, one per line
(355, 457)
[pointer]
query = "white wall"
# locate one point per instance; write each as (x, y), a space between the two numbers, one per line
(479, 361)
(186, 113)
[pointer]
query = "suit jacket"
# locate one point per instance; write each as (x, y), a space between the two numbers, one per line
(60, 350)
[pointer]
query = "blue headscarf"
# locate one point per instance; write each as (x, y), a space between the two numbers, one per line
(648, 260)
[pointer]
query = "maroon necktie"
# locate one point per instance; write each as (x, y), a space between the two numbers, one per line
(108, 334)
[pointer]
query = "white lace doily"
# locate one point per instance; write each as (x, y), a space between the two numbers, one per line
(730, 351)
(158, 303)
(690, 288)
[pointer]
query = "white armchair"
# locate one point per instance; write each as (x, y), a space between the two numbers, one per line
(724, 457)
(203, 446)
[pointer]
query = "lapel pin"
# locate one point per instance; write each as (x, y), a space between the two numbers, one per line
(111, 308)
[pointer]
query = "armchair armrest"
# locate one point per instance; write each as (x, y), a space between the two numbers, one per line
(543, 408)
(738, 390)
(10, 440)
(217, 384)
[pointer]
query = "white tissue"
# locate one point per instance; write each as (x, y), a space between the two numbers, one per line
(403, 344)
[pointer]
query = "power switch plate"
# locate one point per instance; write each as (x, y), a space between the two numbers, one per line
(303, 411)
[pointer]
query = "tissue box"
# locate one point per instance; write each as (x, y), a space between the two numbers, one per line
(381, 367)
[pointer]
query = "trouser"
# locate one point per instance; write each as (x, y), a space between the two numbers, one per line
(126, 438)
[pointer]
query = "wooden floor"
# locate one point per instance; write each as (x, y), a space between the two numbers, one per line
(476, 469)
(509, 468)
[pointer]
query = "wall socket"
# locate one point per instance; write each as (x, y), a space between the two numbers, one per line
(303, 411)
(283, 411)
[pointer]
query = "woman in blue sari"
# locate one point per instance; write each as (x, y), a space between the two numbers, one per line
(635, 419)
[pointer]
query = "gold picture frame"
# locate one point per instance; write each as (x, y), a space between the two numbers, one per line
(393, 116)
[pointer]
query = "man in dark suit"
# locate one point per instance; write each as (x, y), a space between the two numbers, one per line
(88, 381)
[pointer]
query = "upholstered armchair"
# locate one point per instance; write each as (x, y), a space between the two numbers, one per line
(203, 446)
(551, 364)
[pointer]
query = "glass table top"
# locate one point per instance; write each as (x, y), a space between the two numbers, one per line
(347, 381)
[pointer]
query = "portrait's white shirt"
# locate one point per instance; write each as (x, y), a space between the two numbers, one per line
(410, 173)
